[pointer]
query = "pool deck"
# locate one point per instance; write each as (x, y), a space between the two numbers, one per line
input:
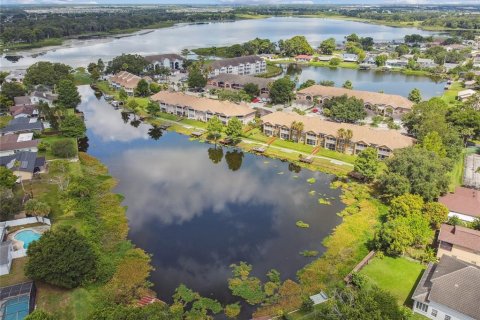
(19, 250)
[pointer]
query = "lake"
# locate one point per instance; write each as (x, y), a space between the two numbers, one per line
(198, 209)
(368, 80)
(174, 39)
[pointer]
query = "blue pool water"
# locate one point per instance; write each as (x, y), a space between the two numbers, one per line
(27, 237)
(16, 308)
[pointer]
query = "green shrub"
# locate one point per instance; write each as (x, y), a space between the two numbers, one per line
(302, 224)
(64, 148)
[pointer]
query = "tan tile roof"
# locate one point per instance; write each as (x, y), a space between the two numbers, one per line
(227, 108)
(389, 138)
(375, 98)
(126, 79)
(464, 201)
(460, 236)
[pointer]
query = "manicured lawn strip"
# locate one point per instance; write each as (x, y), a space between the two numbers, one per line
(195, 123)
(450, 95)
(16, 274)
(395, 275)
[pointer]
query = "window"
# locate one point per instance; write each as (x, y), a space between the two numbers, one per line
(447, 317)
(422, 306)
(434, 312)
(446, 246)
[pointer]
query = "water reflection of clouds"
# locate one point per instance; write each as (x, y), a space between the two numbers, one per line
(175, 185)
(100, 123)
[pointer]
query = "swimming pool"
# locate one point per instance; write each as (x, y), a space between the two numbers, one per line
(16, 308)
(27, 236)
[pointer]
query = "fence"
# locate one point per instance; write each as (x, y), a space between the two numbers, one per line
(29, 220)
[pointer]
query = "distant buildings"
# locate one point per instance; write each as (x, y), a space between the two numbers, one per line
(237, 82)
(202, 109)
(170, 61)
(465, 94)
(15, 76)
(377, 102)
(22, 125)
(426, 63)
(318, 132)
(13, 143)
(47, 97)
(23, 164)
(247, 65)
(459, 242)
(350, 57)
(24, 111)
(303, 58)
(463, 203)
(448, 290)
(126, 81)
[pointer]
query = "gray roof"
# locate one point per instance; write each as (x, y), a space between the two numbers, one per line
(217, 64)
(452, 283)
(26, 161)
(161, 57)
(22, 100)
(22, 125)
(4, 248)
(44, 95)
(242, 79)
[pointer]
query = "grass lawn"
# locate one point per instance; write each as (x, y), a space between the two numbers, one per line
(450, 95)
(81, 77)
(348, 65)
(4, 120)
(16, 274)
(50, 140)
(195, 123)
(398, 276)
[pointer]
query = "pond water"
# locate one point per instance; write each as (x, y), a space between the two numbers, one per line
(368, 80)
(174, 39)
(197, 209)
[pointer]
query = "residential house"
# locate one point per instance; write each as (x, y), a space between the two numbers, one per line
(6, 256)
(24, 111)
(303, 58)
(170, 61)
(396, 63)
(459, 242)
(237, 82)
(448, 290)
(350, 57)
(247, 65)
(426, 63)
(22, 101)
(324, 58)
(126, 81)
(22, 125)
(23, 164)
(202, 109)
(377, 102)
(465, 94)
(15, 76)
(13, 143)
(470, 84)
(318, 132)
(47, 97)
(463, 203)
(449, 66)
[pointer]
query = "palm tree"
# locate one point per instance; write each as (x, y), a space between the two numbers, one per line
(297, 129)
(340, 138)
(348, 135)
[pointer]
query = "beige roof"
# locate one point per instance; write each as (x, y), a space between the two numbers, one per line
(389, 138)
(227, 108)
(393, 100)
(126, 79)
(241, 79)
(464, 201)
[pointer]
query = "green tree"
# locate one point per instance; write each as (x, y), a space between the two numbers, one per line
(426, 173)
(100, 65)
(406, 205)
(281, 91)
(38, 314)
(153, 107)
(335, 61)
(133, 105)
(295, 46)
(142, 88)
(234, 129)
(64, 148)
(47, 73)
(402, 49)
(307, 84)
(251, 89)
(345, 109)
(436, 212)
(367, 163)
(327, 83)
(214, 128)
(380, 60)
(328, 46)
(10, 203)
(7, 178)
(68, 96)
(62, 257)
(122, 95)
(433, 142)
(37, 208)
(73, 126)
(415, 95)
(11, 90)
(348, 85)
(196, 78)
(353, 38)
(153, 311)
(132, 63)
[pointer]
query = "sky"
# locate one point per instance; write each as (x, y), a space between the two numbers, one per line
(230, 2)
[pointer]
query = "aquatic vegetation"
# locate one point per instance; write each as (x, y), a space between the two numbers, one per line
(302, 224)
(281, 172)
(312, 192)
(295, 177)
(324, 201)
(311, 180)
(309, 253)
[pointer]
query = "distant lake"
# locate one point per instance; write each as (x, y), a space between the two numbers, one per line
(174, 39)
(368, 80)
(198, 209)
